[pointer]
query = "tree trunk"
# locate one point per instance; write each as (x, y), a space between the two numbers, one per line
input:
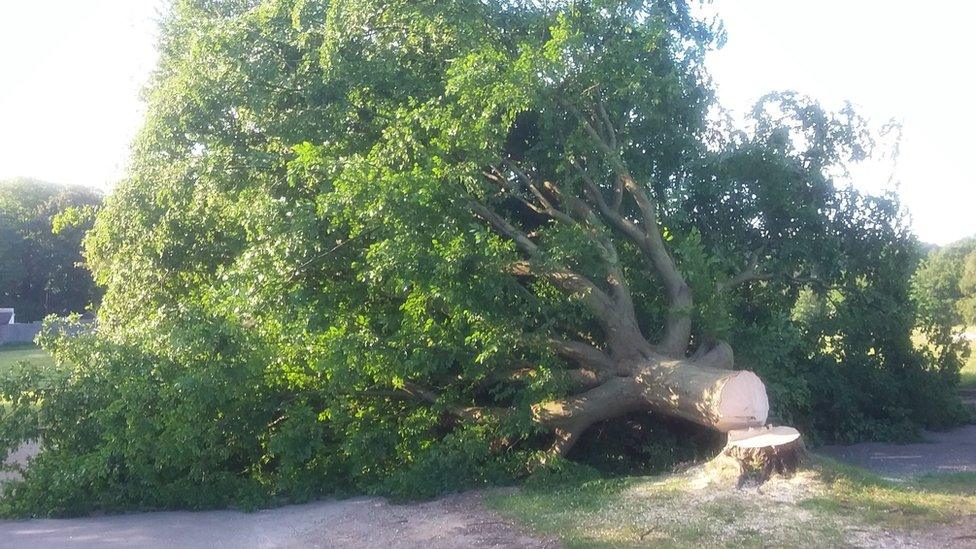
(755, 454)
(718, 398)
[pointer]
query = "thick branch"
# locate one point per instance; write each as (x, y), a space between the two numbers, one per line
(588, 379)
(602, 306)
(719, 356)
(608, 128)
(469, 413)
(569, 417)
(587, 218)
(583, 354)
(651, 245)
(566, 208)
(751, 275)
(506, 229)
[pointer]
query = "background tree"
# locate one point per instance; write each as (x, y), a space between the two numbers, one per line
(967, 287)
(944, 287)
(417, 246)
(43, 270)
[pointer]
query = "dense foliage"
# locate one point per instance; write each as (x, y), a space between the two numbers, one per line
(41, 268)
(944, 288)
(302, 298)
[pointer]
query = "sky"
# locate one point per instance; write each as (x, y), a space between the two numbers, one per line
(914, 62)
(71, 76)
(72, 71)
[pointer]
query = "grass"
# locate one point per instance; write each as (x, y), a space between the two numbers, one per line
(828, 505)
(10, 355)
(905, 505)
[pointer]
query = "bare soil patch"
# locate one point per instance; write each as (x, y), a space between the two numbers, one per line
(446, 523)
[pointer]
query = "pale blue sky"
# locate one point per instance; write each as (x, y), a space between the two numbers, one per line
(71, 72)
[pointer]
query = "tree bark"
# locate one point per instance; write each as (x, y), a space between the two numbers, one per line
(717, 398)
(755, 454)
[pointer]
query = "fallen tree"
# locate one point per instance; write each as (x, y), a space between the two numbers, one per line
(410, 247)
(626, 372)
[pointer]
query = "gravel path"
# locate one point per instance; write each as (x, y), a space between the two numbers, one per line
(944, 452)
(19, 457)
(448, 523)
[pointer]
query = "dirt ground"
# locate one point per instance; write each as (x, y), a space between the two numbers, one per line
(958, 535)
(447, 523)
(961, 534)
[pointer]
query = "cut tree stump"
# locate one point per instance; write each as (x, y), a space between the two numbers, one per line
(757, 453)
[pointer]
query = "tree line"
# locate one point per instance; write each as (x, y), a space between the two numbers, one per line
(42, 271)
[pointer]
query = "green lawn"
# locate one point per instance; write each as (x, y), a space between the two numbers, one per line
(12, 354)
(827, 505)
